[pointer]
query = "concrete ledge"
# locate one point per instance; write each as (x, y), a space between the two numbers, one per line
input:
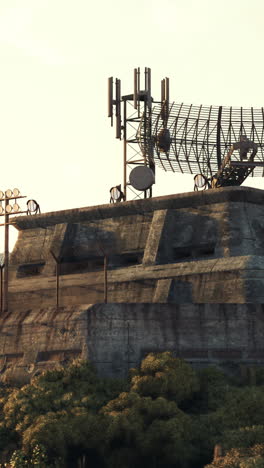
(179, 200)
(115, 337)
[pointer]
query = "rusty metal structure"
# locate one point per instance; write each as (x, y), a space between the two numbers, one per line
(224, 144)
(198, 138)
(130, 111)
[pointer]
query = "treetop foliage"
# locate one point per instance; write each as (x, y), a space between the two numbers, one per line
(163, 375)
(166, 415)
(252, 457)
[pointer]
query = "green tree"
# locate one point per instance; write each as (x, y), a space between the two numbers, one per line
(56, 409)
(66, 435)
(166, 416)
(241, 458)
(19, 460)
(214, 387)
(161, 374)
(151, 432)
(146, 427)
(243, 437)
(242, 406)
(57, 390)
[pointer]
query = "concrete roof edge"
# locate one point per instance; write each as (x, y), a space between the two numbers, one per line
(137, 207)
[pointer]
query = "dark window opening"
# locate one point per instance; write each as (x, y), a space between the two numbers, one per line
(12, 357)
(192, 252)
(81, 266)
(203, 252)
(58, 355)
(30, 269)
(70, 265)
(126, 260)
(181, 253)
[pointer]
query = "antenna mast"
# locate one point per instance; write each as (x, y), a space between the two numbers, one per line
(133, 115)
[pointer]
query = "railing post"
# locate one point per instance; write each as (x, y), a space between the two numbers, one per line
(57, 260)
(105, 279)
(6, 260)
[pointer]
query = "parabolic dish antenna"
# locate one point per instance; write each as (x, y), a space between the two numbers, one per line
(141, 178)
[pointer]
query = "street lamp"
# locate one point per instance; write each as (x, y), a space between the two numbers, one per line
(6, 211)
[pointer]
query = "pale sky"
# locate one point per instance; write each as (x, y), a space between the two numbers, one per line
(56, 142)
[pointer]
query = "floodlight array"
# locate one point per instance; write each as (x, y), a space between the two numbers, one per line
(14, 208)
(9, 208)
(9, 194)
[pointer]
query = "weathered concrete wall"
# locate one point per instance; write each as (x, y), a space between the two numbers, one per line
(186, 274)
(115, 337)
(226, 280)
(34, 340)
(120, 335)
(198, 247)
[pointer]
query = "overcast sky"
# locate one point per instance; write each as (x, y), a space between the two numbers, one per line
(56, 142)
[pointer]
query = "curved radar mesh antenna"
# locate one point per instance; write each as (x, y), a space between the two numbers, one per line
(196, 139)
(141, 178)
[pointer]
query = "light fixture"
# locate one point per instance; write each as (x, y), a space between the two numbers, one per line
(200, 181)
(8, 193)
(8, 209)
(32, 206)
(16, 207)
(116, 194)
(16, 192)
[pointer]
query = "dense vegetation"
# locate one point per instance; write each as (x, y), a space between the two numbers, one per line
(165, 415)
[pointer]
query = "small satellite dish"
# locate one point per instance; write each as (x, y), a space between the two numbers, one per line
(141, 178)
